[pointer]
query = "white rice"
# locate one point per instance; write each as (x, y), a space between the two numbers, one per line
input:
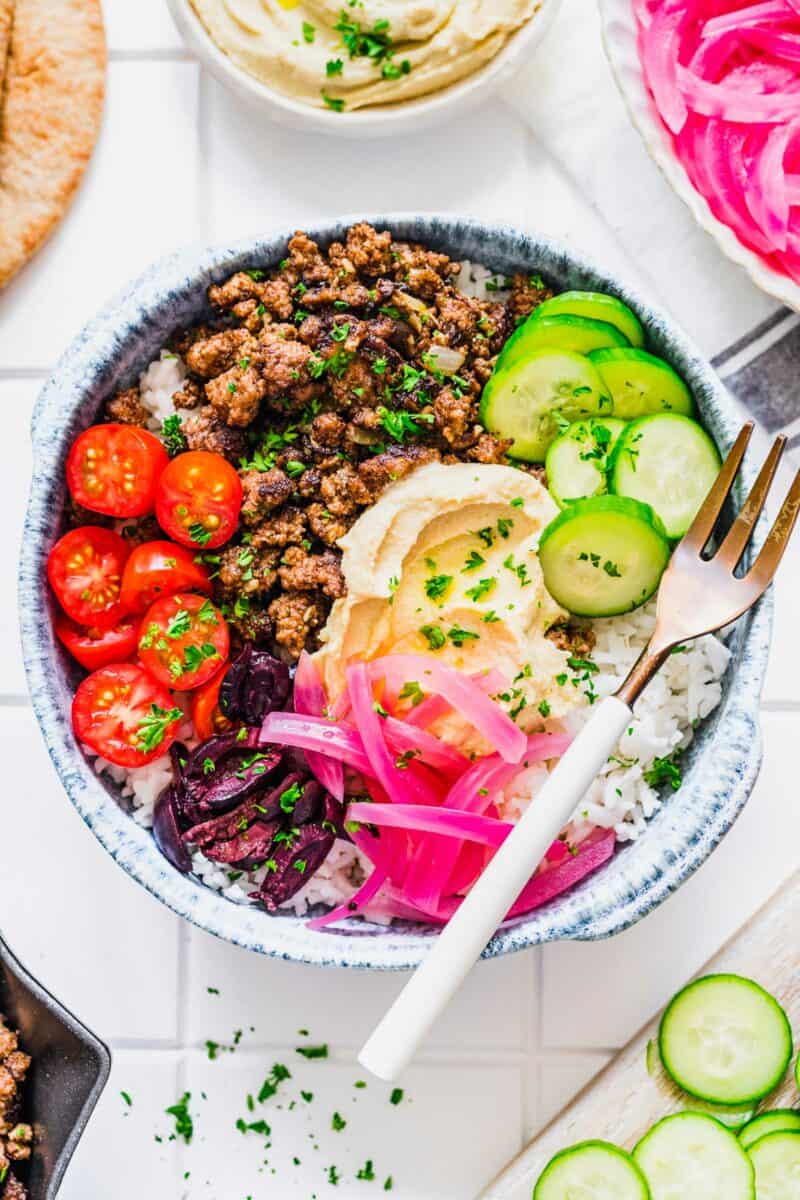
(685, 691)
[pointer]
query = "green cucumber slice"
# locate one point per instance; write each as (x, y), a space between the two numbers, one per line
(592, 1171)
(777, 1120)
(776, 1160)
(669, 462)
(577, 461)
(734, 1116)
(599, 307)
(603, 556)
(690, 1156)
(642, 384)
(580, 334)
(531, 400)
(726, 1040)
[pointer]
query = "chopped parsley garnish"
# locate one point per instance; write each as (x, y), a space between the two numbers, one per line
(459, 636)
(482, 588)
(544, 708)
(519, 569)
(437, 586)
(517, 502)
(333, 67)
(338, 1123)
(126, 1097)
(337, 105)
(504, 525)
(180, 624)
(195, 656)
(152, 728)
(664, 770)
(333, 1177)
(486, 535)
(401, 424)
(490, 618)
(474, 560)
(309, 32)
(375, 44)
(313, 1051)
(288, 799)
(184, 1126)
(411, 691)
(379, 709)
(172, 436)
(434, 636)
(199, 534)
(270, 1085)
(396, 1096)
(367, 1172)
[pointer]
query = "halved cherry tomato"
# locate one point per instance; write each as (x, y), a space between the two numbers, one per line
(113, 469)
(207, 716)
(183, 640)
(198, 499)
(85, 572)
(122, 713)
(95, 647)
(157, 568)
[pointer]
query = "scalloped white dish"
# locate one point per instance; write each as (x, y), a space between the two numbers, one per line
(619, 38)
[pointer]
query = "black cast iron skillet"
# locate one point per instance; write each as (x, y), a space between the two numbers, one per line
(69, 1071)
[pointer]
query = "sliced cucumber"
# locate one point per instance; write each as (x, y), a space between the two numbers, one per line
(732, 1116)
(529, 400)
(592, 1171)
(725, 1040)
(642, 384)
(776, 1159)
(577, 460)
(603, 556)
(580, 334)
(599, 307)
(666, 461)
(690, 1156)
(777, 1120)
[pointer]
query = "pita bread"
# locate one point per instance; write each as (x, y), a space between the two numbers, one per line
(52, 84)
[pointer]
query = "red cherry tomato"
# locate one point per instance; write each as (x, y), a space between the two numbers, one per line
(121, 713)
(113, 469)
(157, 568)
(207, 716)
(183, 640)
(95, 647)
(198, 499)
(85, 572)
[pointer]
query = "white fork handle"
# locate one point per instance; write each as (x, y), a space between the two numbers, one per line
(458, 946)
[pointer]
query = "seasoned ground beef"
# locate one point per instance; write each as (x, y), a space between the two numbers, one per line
(319, 379)
(16, 1138)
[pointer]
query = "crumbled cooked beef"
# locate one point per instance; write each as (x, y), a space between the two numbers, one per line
(297, 616)
(304, 572)
(573, 638)
(127, 408)
(316, 380)
(16, 1137)
(204, 430)
(264, 491)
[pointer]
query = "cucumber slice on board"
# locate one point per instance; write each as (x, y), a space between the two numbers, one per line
(641, 384)
(776, 1159)
(777, 1120)
(734, 1116)
(690, 1156)
(530, 400)
(725, 1040)
(592, 1171)
(576, 462)
(562, 332)
(669, 462)
(603, 556)
(599, 307)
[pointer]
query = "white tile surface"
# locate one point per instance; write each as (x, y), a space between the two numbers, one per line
(180, 160)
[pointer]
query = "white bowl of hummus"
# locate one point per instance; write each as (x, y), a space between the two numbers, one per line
(362, 67)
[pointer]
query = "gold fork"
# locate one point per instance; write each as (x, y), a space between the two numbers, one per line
(697, 595)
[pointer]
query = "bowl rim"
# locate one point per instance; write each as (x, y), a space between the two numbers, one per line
(416, 113)
(105, 340)
(98, 1048)
(619, 35)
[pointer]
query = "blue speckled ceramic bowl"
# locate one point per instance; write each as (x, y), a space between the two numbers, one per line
(725, 756)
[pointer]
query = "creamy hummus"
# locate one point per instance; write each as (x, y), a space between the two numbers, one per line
(417, 46)
(445, 564)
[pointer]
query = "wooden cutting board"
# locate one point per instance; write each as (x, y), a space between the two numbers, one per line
(624, 1100)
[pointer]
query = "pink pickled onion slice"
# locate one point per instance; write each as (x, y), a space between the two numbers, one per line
(432, 751)
(432, 707)
(318, 735)
(399, 784)
(355, 905)
(310, 699)
(545, 886)
(425, 819)
(462, 694)
(768, 201)
(737, 103)
(661, 49)
(752, 14)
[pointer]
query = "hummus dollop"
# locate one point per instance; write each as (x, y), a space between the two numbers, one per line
(445, 564)
(384, 51)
